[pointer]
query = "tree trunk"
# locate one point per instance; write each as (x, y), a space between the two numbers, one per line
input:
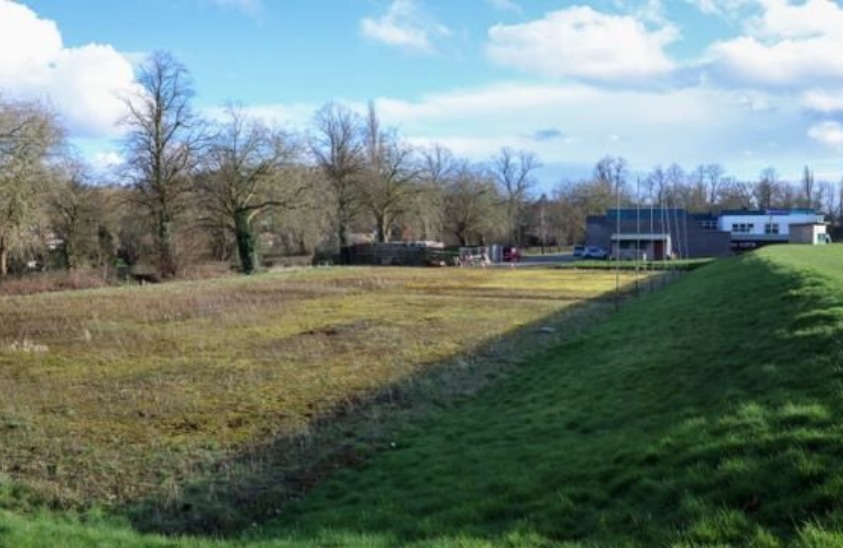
(4, 257)
(345, 253)
(383, 229)
(166, 261)
(245, 242)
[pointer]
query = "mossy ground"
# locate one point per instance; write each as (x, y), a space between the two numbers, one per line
(179, 403)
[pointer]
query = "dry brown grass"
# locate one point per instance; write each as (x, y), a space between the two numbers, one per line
(117, 395)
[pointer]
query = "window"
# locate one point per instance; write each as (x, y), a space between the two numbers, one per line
(742, 228)
(708, 225)
(771, 228)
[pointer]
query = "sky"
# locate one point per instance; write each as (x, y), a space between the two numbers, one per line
(749, 84)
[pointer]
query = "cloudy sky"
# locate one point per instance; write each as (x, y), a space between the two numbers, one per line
(747, 83)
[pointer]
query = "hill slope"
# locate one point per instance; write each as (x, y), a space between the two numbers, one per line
(707, 413)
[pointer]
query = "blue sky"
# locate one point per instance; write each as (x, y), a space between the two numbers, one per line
(746, 83)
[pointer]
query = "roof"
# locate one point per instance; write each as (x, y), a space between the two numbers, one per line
(767, 212)
(636, 237)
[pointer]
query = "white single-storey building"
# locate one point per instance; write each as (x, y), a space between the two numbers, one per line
(751, 228)
(809, 233)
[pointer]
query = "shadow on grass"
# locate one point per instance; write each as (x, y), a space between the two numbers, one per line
(706, 415)
(226, 497)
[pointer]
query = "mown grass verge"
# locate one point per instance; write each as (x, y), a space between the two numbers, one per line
(206, 407)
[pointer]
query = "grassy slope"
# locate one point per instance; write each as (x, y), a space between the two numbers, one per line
(707, 413)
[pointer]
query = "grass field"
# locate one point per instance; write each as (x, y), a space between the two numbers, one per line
(705, 414)
(202, 407)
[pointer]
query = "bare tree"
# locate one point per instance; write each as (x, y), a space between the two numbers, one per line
(767, 188)
(710, 177)
(340, 154)
(28, 133)
(438, 169)
(76, 212)
(657, 185)
(826, 198)
(162, 148)
(735, 194)
(472, 205)
(808, 188)
(247, 177)
(514, 173)
(390, 176)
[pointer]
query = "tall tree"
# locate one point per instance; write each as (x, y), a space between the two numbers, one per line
(75, 212)
(735, 194)
(28, 134)
(514, 173)
(472, 205)
(710, 176)
(162, 147)
(390, 178)
(246, 177)
(808, 188)
(767, 188)
(339, 152)
(437, 171)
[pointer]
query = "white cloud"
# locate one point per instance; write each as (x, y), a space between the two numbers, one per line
(505, 5)
(404, 26)
(785, 45)
(82, 83)
(720, 7)
(786, 63)
(251, 7)
(295, 116)
(825, 101)
(781, 19)
(828, 133)
(582, 43)
(687, 125)
(105, 160)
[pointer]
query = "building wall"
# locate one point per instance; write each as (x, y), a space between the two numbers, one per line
(684, 230)
(807, 234)
(784, 220)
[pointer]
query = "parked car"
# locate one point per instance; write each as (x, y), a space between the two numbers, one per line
(579, 251)
(594, 252)
(511, 254)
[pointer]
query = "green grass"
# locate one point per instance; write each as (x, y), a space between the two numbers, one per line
(706, 414)
(205, 406)
(677, 264)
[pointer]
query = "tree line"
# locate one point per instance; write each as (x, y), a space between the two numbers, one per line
(192, 189)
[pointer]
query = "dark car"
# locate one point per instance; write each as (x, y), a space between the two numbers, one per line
(511, 254)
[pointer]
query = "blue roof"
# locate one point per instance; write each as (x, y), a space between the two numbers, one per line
(631, 214)
(768, 212)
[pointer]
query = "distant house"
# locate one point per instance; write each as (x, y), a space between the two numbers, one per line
(658, 233)
(750, 229)
(809, 233)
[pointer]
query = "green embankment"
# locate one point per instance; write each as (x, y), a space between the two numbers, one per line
(708, 413)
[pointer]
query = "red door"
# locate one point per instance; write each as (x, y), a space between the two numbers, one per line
(658, 250)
